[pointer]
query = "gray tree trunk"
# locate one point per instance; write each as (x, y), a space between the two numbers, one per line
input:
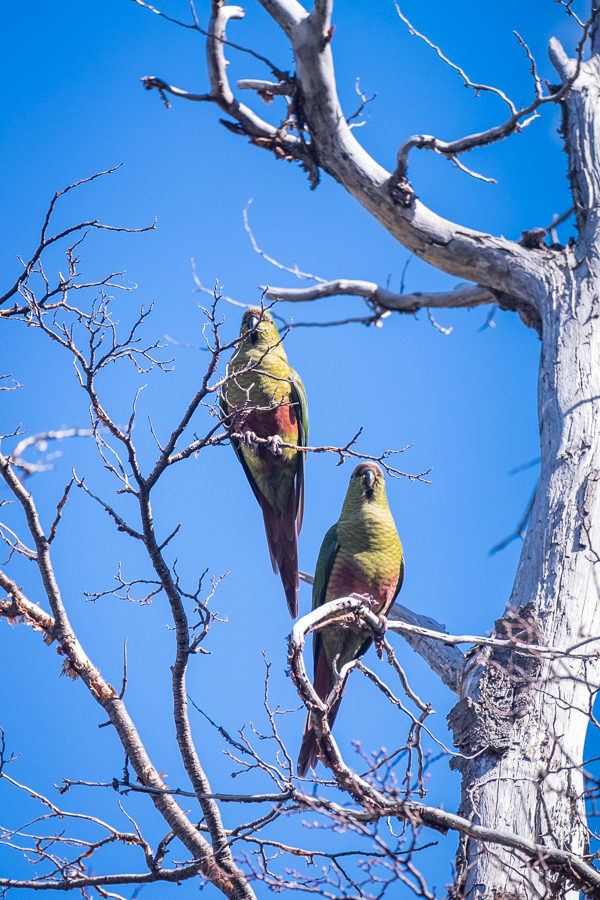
(528, 720)
(521, 720)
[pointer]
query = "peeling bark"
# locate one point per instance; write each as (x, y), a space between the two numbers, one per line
(521, 720)
(521, 724)
(530, 726)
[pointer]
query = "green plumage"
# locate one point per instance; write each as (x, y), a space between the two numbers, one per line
(360, 554)
(264, 398)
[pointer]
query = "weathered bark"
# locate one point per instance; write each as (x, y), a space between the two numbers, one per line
(456, 249)
(521, 720)
(521, 723)
(528, 723)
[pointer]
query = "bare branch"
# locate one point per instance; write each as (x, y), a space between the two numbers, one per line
(382, 301)
(8, 383)
(77, 664)
(119, 521)
(477, 88)
(570, 865)
(518, 119)
(315, 111)
(127, 788)
(346, 452)
(364, 100)
(39, 441)
(463, 295)
(294, 270)
(425, 637)
(152, 81)
(78, 883)
(47, 240)
(266, 89)
(250, 123)
(428, 638)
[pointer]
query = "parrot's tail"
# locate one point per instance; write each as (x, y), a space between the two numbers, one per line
(282, 541)
(309, 749)
(323, 683)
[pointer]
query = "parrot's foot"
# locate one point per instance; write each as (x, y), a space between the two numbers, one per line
(249, 439)
(274, 444)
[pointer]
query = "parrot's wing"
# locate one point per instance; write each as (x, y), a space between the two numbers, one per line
(400, 579)
(387, 608)
(327, 554)
(225, 409)
(298, 397)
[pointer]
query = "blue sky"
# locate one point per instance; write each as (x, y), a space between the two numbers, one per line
(73, 104)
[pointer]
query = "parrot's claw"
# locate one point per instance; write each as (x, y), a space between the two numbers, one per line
(249, 439)
(274, 444)
(379, 636)
(383, 624)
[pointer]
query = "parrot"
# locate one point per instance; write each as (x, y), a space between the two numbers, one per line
(360, 554)
(264, 397)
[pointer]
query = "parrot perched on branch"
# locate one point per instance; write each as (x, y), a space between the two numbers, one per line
(360, 554)
(264, 397)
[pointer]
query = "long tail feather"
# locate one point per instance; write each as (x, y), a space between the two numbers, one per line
(309, 750)
(323, 683)
(282, 541)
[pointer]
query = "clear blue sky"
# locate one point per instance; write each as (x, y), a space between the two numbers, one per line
(73, 104)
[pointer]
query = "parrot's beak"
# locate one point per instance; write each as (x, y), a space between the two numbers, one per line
(252, 322)
(369, 479)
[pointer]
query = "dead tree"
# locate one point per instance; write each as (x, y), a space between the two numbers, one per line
(521, 726)
(525, 694)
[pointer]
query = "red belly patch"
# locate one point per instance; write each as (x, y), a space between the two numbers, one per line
(346, 580)
(281, 421)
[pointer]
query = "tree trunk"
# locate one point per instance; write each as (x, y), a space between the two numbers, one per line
(527, 718)
(521, 720)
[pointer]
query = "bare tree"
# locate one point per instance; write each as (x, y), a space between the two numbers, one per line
(522, 738)
(525, 694)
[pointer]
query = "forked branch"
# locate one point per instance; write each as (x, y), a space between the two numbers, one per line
(570, 866)
(323, 140)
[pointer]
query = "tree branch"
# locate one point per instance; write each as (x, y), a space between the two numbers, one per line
(375, 803)
(287, 13)
(259, 130)
(518, 119)
(463, 295)
(490, 261)
(78, 664)
(46, 241)
(321, 16)
(425, 636)
(182, 873)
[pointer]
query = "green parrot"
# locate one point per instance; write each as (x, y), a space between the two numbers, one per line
(360, 554)
(264, 397)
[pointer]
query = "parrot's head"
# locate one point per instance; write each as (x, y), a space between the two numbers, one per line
(259, 328)
(367, 483)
